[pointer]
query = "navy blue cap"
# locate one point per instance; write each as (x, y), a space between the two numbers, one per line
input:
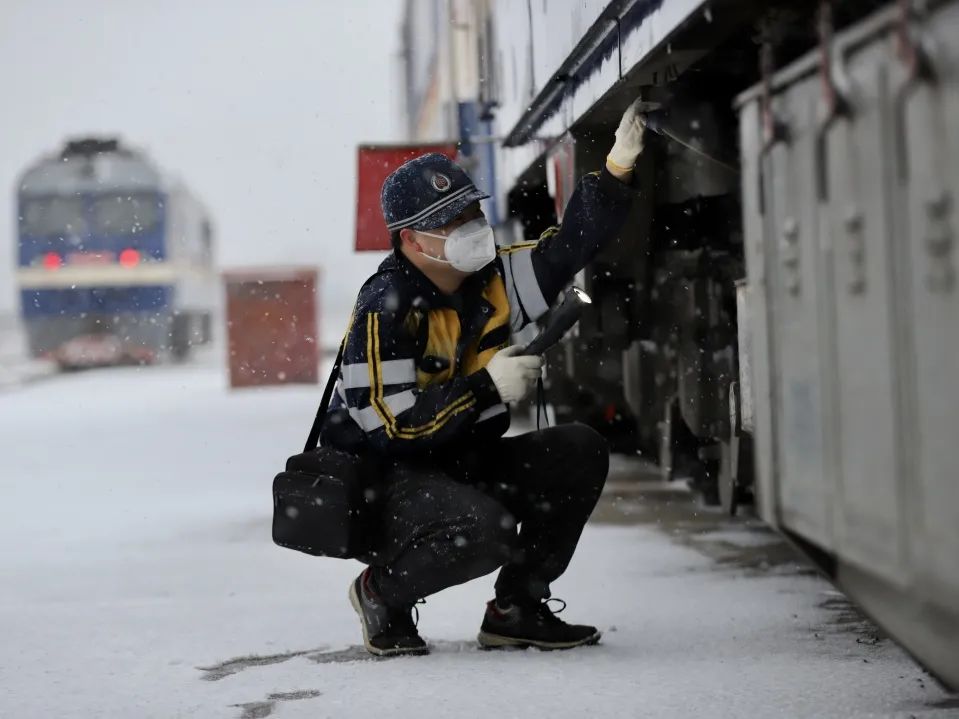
(427, 192)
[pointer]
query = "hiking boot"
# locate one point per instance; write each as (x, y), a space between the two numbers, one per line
(387, 631)
(533, 625)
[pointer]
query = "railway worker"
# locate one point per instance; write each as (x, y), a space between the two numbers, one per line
(427, 378)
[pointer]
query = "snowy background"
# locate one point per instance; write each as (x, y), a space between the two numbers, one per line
(137, 573)
(257, 106)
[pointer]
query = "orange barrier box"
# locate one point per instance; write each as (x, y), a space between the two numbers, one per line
(272, 328)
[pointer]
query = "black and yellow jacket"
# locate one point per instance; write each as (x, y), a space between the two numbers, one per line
(413, 378)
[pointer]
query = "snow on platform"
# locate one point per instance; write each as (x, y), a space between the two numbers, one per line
(139, 580)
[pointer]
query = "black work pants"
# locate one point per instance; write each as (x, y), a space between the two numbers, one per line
(519, 503)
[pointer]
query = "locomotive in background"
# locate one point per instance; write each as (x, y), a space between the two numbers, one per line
(115, 261)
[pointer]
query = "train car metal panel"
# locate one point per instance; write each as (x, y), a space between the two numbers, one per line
(557, 27)
(862, 323)
(758, 374)
(651, 24)
(806, 479)
(930, 192)
(855, 193)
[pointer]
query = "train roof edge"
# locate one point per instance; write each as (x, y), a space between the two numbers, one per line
(90, 164)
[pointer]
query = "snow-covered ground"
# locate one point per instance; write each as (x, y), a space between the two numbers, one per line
(139, 580)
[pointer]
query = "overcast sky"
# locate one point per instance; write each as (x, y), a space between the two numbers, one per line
(256, 105)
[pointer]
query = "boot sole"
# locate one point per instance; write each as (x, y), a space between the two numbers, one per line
(488, 640)
(376, 651)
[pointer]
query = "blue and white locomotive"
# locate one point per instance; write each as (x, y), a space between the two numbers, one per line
(115, 261)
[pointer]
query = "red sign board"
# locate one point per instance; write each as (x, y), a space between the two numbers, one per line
(374, 163)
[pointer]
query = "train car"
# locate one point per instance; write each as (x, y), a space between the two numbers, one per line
(778, 318)
(115, 260)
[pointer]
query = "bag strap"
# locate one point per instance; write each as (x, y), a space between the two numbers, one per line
(313, 440)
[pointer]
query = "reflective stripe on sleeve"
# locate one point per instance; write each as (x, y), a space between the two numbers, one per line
(515, 309)
(526, 285)
(357, 375)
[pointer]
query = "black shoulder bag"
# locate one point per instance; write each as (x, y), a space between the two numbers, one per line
(325, 503)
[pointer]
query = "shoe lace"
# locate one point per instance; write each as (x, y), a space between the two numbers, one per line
(555, 599)
(416, 612)
(404, 619)
(548, 614)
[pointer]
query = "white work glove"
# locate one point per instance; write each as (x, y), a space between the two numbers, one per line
(629, 137)
(513, 375)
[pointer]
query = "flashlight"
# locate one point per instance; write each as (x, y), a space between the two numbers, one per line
(566, 314)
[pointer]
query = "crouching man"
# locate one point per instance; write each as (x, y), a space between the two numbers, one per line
(426, 384)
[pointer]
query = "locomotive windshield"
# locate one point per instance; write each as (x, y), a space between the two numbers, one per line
(124, 214)
(52, 216)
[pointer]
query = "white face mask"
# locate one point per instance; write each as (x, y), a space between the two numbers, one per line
(469, 248)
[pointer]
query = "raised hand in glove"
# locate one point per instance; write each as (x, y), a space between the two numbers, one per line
(629, 140)
(513, 375)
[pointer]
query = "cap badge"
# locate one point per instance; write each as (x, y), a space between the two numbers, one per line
(440, 182)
